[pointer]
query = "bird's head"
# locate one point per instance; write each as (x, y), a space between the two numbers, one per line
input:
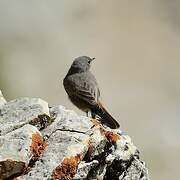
(82, 64)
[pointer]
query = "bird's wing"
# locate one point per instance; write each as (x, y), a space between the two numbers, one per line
(85, 87)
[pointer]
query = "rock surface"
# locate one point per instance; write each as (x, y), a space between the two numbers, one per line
(16, 150)
(2, 100)
(19, 112)
(38, 142)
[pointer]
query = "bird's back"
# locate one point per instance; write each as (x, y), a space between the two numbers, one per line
(82, 86)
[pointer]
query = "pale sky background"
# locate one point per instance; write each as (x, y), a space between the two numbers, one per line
(137, 50)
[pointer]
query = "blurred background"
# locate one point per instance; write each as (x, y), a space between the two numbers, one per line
(137, 50)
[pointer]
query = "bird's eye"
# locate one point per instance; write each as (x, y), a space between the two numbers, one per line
(89, 61)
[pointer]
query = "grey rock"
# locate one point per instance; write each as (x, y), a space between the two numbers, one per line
(66, 139)
(19, 112)
(84, 168)
(78, 148)
(61, 144)
(136, 170)
(15, 150)
(67, 120)
(124, 149)
(2, 100)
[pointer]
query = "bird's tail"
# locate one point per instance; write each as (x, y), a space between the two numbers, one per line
(106, 118)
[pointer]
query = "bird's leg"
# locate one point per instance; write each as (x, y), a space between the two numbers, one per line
(93, 115)
(88, 113)
(94, 120)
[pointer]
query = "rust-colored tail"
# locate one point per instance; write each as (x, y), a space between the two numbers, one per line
(106, 118)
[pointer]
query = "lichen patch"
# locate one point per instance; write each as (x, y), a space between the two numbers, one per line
(38, 146)
(67, 169)
(41, 121)
(111, 136)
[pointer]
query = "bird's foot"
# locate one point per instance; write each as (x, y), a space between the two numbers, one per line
(96, 123)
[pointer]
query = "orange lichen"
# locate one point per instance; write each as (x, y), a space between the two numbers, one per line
(38, 145)
(111, 136)
(67, 169)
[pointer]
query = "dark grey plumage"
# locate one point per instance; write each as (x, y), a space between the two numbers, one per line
(82, 89)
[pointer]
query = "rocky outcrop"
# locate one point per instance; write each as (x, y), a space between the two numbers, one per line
(38, 142)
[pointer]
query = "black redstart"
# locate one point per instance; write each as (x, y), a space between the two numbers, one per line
(82, 89)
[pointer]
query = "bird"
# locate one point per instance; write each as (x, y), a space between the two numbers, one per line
(82, 89)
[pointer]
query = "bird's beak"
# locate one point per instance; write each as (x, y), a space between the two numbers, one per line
(93, 58)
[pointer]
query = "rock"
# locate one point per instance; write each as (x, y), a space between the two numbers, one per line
(67, 120)
(137, 170)
(2, 100)
(62, 145)
(17, 148)
(19, 112)
(73, 147)
(84, 168)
